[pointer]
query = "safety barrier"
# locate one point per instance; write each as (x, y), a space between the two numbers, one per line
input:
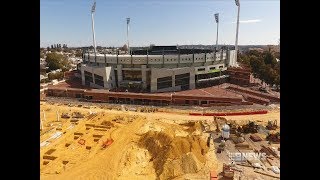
(228, 113)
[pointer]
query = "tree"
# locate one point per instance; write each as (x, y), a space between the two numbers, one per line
(124, 48)
(270, 59)
(57, 75)
(263, 65)
(57, 61)
(78, 53)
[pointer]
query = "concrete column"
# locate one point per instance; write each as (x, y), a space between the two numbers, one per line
(92, 72)
(178, 58)
(173, 80)
(144, 76)
(106, 74)
(119, 74)
(82, 75)
(192, 78)
(153, 83)
(221, 54)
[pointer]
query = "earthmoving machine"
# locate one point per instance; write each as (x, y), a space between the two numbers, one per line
(274, 137)
(251, 127)
(272, 125)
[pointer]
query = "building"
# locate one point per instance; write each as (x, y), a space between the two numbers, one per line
(156, 69)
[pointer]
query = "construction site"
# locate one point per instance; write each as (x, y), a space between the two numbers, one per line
(86, 140)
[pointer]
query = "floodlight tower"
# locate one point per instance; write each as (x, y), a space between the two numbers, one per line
(217, 21)
(236, 44)
(128, 21)
(93, 10)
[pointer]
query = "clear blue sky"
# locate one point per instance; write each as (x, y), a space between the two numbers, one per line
(159, 22)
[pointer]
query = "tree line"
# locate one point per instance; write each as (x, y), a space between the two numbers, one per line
(263, 65)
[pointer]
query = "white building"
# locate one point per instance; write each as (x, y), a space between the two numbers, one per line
(160, 69)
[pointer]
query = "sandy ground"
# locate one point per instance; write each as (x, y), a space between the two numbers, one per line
(132, 155)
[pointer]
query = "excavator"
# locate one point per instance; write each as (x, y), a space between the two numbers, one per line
(272, 125)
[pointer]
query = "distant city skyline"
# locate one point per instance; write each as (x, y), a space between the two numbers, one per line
(159, 22)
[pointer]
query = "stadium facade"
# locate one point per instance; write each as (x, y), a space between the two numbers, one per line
(156, 69)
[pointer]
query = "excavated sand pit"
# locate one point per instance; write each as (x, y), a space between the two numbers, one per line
(174, 156)
(144, 146)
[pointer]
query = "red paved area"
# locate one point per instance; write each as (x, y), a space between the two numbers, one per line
(209, 91)
(76, 83)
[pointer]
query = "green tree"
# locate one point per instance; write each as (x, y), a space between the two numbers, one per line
(78, 53)
(57, 75)
(263, 65)
(270, 59)
(57, 61)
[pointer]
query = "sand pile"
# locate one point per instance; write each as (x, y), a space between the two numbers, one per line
(174, 156)
(193, 127)
(150, 126)
(135, 162)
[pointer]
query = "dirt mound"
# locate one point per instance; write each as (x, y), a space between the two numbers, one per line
(174, 156)
(194, 127)
(190, 163)
(107, 123)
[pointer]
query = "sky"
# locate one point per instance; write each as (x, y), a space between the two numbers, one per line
(159, 22)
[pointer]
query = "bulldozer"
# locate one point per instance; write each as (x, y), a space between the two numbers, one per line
(272, 125)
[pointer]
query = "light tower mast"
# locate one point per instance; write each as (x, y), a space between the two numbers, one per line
(93, 10)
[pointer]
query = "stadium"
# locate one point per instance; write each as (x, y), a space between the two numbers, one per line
(163, 75)
(157, 69)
